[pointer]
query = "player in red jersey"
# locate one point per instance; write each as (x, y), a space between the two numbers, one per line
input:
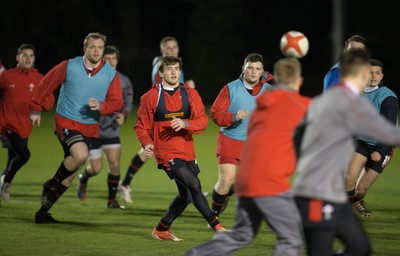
(168, 116)
(17, 87)
(267, 162)
(168, 47)
(90, 87)
(230, 111)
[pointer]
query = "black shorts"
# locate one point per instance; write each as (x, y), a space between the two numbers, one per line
(99, 142)
(366, 150)
(70, 137)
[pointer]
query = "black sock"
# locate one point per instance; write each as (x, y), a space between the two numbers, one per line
(52, 190)
(163, 225)
(85, 175)
(231, 190)
(112, 182)
(212, 220)
(134, 166)
(62, 173)
(352, 196)
(218, 202)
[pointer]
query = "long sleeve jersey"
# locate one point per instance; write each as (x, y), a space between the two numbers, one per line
(17, 87)
(109, 128)
(268, 159)
(385, 102)
(332, 77)
(169, 144)
(60, 75)
(325, 141)
(223, 116)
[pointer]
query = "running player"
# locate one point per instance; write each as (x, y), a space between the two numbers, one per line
(90, 87)
(230, 111)
(17, 87)
(109, 140)
(267, 162)
(168, 115)
(333, 76)
(370, 154)
(168, 47)
(324, 142)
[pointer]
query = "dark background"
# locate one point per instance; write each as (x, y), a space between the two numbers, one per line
(214, 36)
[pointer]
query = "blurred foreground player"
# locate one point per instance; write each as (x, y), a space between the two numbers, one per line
(168, 116)
(324, 143)
(90, 87)
(370, 154)
(267, 163)
(17, 87)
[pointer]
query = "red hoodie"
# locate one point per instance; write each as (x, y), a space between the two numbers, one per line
(17, 87)
(268, 159)
(169, 144)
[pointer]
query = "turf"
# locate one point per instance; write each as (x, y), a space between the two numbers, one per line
(89, 228)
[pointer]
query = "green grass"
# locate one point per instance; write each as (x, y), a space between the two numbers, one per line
(89, 228)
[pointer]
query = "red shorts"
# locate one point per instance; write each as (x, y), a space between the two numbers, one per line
(227, 160)
(228, 150)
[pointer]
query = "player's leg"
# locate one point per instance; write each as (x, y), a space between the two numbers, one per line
(357, 163)
(18, 155)
(176, 207)
(112, 150)
(283, 218)
(248, 222)
(366, 182)
(93, 168)
(373, 169)
(136, 163)
(351, 232)
(186, 173)
(76, 152)
(319, 233)
(227, 169)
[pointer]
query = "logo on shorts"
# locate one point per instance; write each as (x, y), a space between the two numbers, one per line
(66, 131)
(328, 210)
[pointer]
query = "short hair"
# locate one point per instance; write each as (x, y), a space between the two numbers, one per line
(352, 61)
(169, 60)
(25, 46)
(376, 63)
(94, 35)
(254, 57)
(287, 70)
(167, 39)
(111, 49)
(355, 38)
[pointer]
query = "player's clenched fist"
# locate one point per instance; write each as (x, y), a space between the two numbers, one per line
(177, 124)
(94, 104)
(149, 150)
(241, 114)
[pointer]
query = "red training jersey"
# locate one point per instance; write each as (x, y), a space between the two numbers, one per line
(268, 158)
(169, 144)
(219, 114)
(55, 77)
(17, 88)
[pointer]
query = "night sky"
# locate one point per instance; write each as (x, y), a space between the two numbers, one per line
(214, 36)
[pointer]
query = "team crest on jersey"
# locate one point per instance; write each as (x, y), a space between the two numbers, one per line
(31, 86)
(12, 85)
(175, 114)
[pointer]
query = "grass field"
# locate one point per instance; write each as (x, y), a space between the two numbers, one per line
(89, 228)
